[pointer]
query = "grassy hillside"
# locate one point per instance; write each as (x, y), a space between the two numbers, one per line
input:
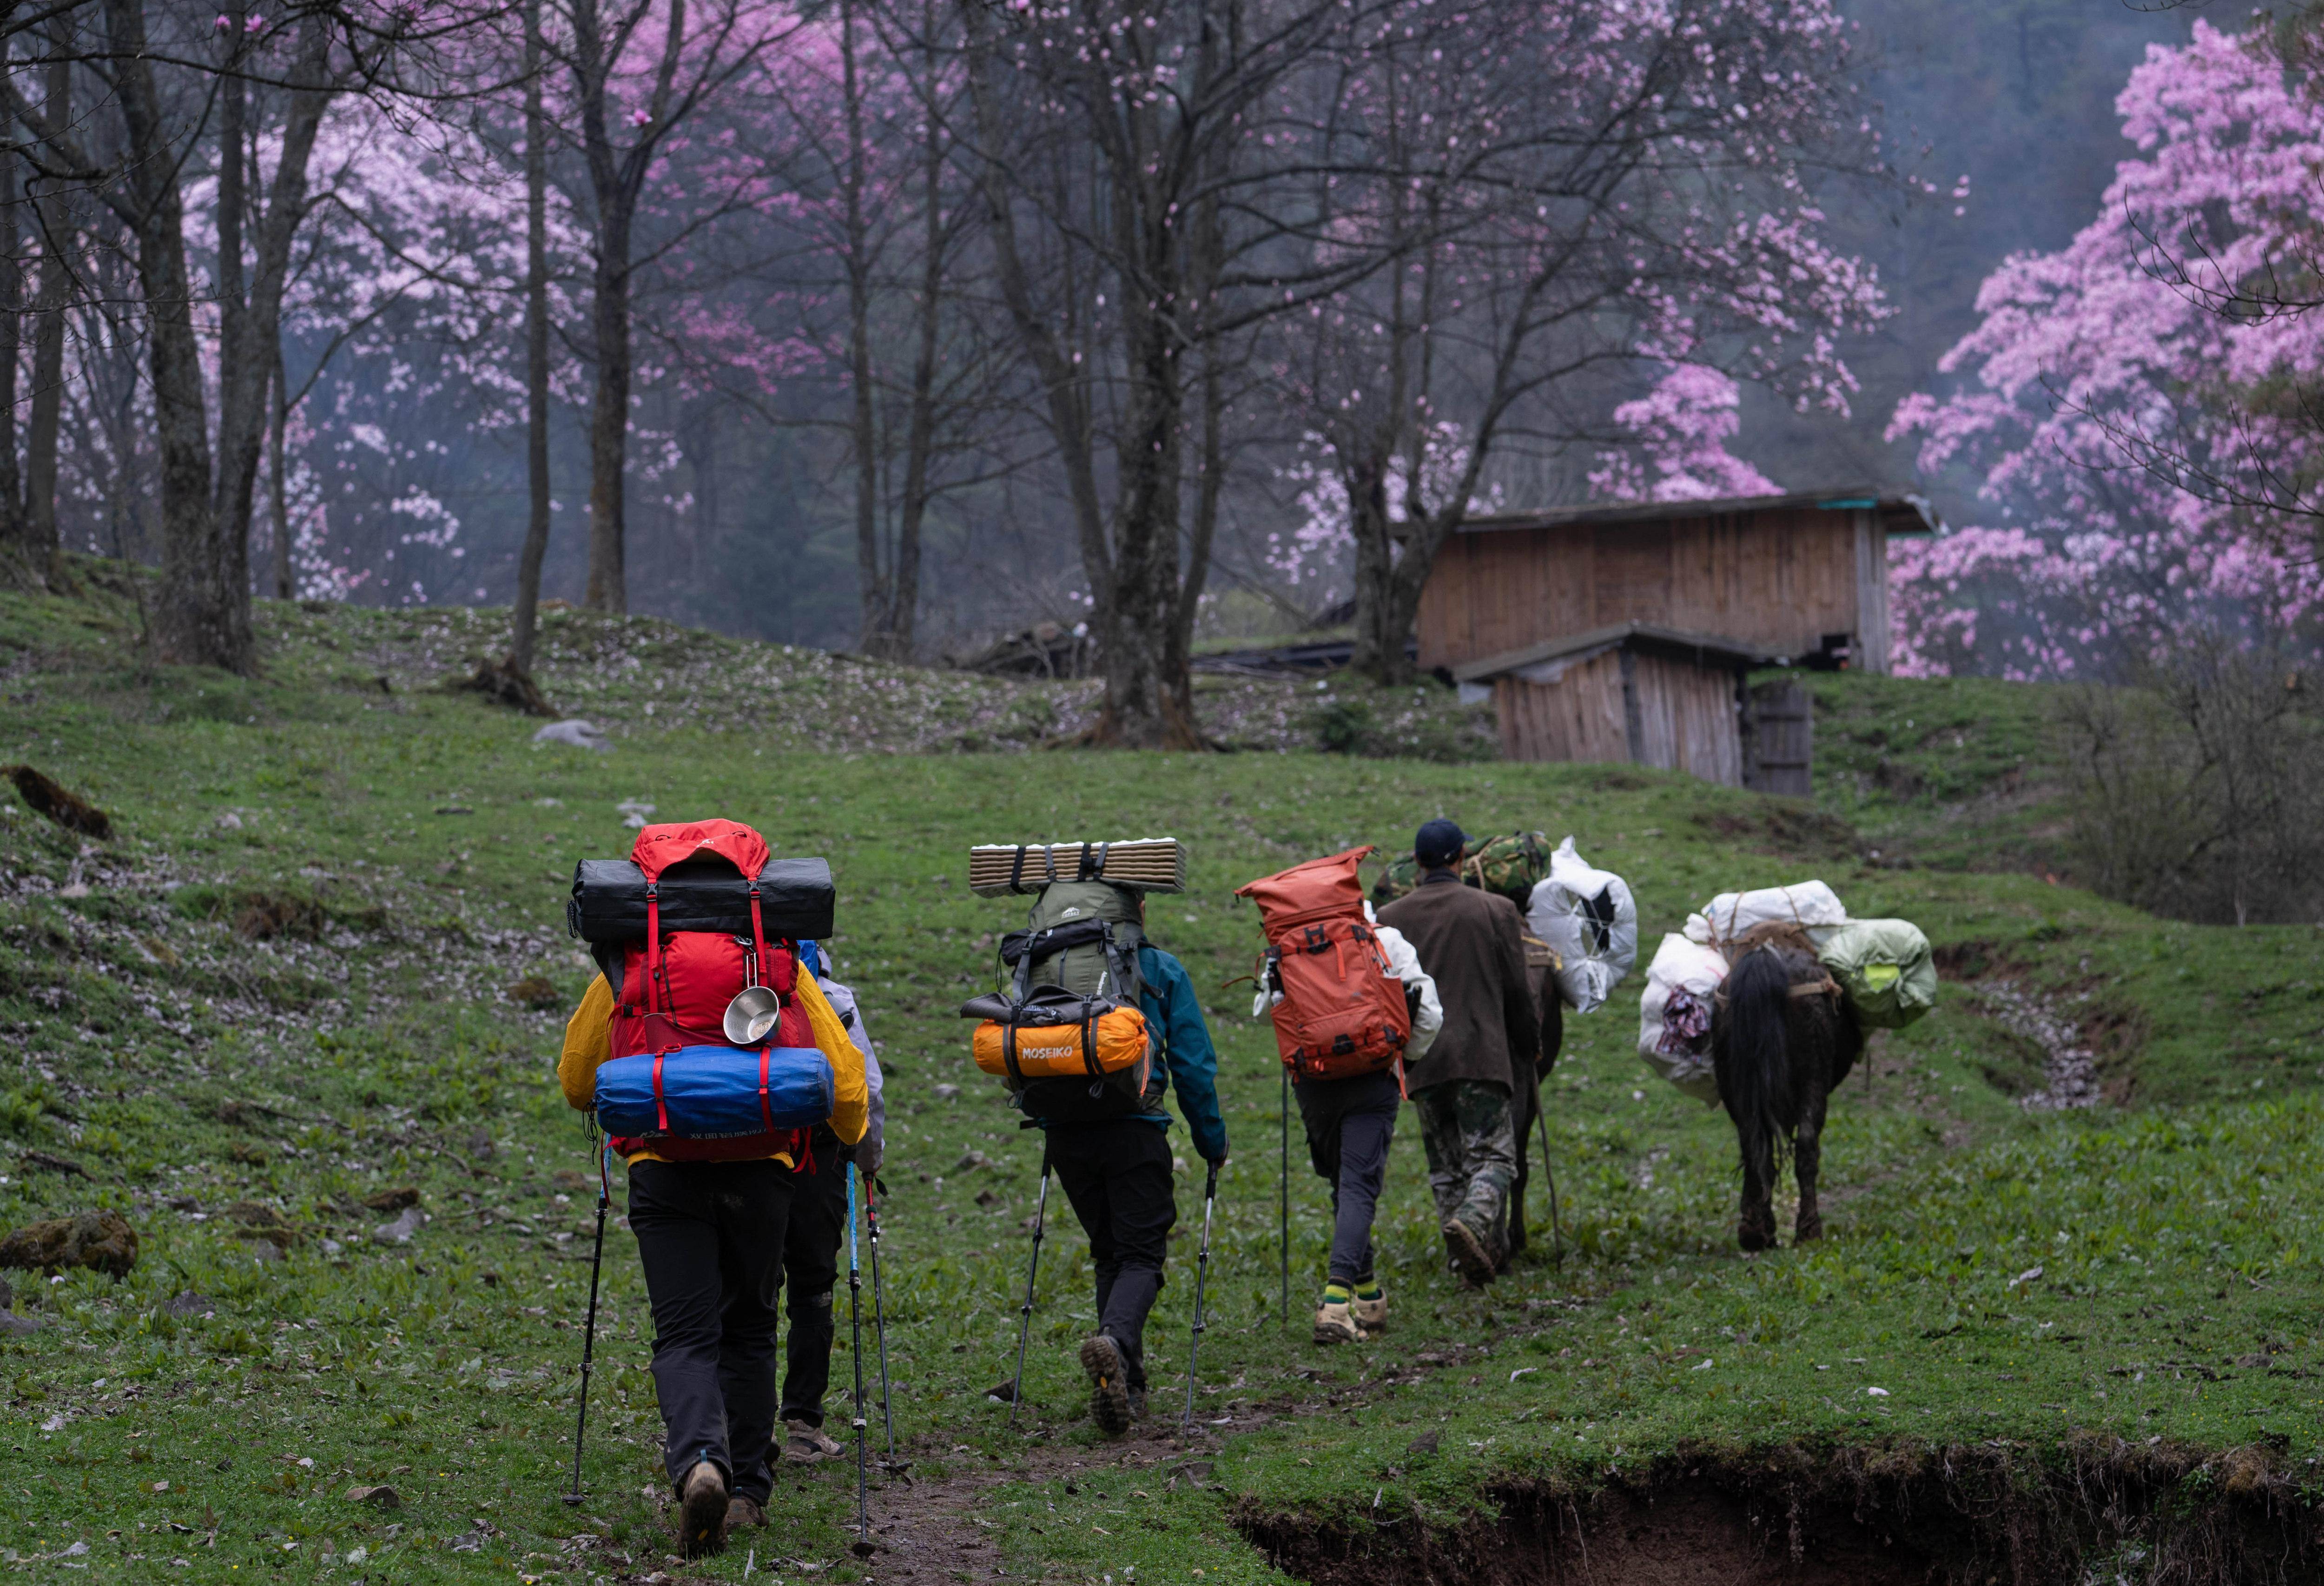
(307, 973)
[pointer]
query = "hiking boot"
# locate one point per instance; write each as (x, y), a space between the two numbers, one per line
(1138, 1403)
(808, 1444)
(1108, 1384)
(743, 1513)
(1370, 1315)
(1472, 1257)
(702, 1511)
(1335, 1324)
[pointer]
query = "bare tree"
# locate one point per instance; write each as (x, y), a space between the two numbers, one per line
(536, 352)
(679, 75)
(1148, 168)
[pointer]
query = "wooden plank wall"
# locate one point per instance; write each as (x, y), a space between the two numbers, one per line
(1686, 717)
(1578, 717)
(1690, 719)
(1782, 579)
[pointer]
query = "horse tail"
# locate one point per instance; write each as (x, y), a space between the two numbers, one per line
(1754, 1079)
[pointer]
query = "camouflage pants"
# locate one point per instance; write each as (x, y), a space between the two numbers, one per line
(1467, 1128)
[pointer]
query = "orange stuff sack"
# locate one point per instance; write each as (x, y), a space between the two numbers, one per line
(1113, 1041)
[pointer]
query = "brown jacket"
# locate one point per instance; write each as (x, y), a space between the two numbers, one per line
(1473, 943)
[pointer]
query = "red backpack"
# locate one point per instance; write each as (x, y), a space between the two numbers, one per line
(675, 986)
(1343, 1011)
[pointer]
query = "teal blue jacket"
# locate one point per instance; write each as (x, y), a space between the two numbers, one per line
(1173, 1018)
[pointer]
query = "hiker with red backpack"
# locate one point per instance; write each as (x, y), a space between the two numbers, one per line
(811, 1240)
(1336, 981)
(1097, 1027)
(709, 1059)
(1471, 941)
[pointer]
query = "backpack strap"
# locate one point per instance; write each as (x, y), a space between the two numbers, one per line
(1017, 870)
(661, 1108)
(1089, 869)
(1009, 1052)
(758, 938)
(766, 1063)
(653, 962)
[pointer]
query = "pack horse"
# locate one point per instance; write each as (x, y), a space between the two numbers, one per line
(1783, 1036)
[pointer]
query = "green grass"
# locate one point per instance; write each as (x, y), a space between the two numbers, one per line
(418, 846)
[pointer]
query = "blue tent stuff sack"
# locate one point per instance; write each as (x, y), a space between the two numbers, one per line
(711, 1093)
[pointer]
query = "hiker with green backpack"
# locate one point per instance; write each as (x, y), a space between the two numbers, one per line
(1094, 1030)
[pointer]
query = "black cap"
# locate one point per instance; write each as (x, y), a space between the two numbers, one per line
(1439, 843)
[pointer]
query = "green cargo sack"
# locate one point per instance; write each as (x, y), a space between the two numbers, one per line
(1512, 865)
(1885, 968)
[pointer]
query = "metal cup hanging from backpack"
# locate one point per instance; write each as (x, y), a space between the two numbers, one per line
(755, 1009)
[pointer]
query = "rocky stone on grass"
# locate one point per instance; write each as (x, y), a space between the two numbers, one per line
(538, 993)
(400, 1231)
(14, 1326)
(392, 1199)
(188, 1302)
(574, 732)
(45, 796)
(380, 1497)
(102, 1241)
(48, 1162)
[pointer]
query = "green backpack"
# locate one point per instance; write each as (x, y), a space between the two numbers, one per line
(1511, 865)
(1081, 939)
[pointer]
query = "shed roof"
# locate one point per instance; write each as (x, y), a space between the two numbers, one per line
(1703, 649)
(1901, 511)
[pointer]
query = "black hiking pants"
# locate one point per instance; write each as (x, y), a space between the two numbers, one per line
(710, 1238)
(1350, 1125)
(1117, 1176)
(811, 1241)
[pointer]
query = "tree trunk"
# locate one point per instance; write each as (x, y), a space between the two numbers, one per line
(203, 615)
(285, 580)
(876, 595)
(250, 343)
(13, 531)
(609, 417)
(48, 394)
(536, 349)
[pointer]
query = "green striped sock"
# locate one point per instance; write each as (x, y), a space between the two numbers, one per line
(1335, 1293)
(1368, 1288)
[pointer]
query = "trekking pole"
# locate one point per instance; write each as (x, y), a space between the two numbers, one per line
(1025, 1326)
(1283, 1216)
(855, 1320)
(1549, 1175)
(1202, 1272)
(590, 1329)
(880, 1313)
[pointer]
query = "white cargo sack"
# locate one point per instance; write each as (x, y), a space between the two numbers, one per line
(1590, 918)
(1674, 1015)
(1731, 914)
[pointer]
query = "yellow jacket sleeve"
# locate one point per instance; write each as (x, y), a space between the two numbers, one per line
(588, 1042)
(851, 1108)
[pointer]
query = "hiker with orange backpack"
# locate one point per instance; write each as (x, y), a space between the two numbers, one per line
(709, 1058)
(1335, 980)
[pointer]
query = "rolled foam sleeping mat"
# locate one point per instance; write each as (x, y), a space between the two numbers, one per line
(609, 899)
(712, 1093)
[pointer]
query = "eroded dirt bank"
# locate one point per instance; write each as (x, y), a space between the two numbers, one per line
(2097, 1512)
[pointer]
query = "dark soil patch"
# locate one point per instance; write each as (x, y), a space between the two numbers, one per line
(1788, 828)
(1868, 1516)
(45, 796)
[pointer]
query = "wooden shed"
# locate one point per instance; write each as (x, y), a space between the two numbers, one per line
(1790, 578)
(1635, 692)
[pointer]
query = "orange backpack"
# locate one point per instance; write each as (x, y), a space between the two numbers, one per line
(1343, 1011)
